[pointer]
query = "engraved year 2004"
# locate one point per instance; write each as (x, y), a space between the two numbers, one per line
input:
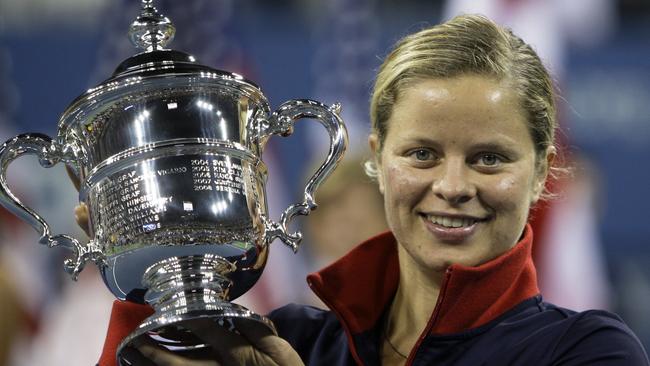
(217, 175)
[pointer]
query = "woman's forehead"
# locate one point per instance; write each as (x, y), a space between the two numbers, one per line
(473, 109)
(469, 86)
(458, 98)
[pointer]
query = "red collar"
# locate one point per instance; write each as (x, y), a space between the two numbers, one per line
(359, 286)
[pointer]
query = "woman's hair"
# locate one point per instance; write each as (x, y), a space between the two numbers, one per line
(467, 44)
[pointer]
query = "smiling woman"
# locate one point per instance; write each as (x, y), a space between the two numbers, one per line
(463, 120)
(459, 174)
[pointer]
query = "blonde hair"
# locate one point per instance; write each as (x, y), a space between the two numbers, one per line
(467, 44)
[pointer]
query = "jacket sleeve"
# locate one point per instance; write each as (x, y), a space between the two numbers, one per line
(600, 338)
(125, 317)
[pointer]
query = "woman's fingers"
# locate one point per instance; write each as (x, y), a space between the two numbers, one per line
(162, 357)
(250, 344)
(81, 211)
(279, 350)
(231, 348)
(81, 216)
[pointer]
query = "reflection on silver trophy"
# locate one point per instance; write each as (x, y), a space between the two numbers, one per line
(168, 153)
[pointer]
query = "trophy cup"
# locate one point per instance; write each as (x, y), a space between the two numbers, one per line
(168, 153)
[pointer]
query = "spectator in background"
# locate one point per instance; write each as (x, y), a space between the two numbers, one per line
(18, 321)
(12, 317)
(350, 210)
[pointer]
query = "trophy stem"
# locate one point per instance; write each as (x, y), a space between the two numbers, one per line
(196, 281)
(182, 289)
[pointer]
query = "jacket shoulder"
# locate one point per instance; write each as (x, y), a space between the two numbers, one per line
(599, 337)
(295, 318)
(314, 333)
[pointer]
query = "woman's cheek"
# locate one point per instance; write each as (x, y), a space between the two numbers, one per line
(506, 185)
(400, 182)
(508, 193)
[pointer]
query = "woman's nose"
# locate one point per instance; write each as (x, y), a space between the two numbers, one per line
(452, 183)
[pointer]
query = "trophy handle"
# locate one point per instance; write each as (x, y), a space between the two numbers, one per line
(49, 154)
(281, 122)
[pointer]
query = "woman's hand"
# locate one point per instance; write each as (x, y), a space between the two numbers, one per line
(81, 216)
(247, 347)
(81, 211)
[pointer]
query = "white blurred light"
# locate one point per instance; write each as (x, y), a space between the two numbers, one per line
(219, 207)
(188, 206)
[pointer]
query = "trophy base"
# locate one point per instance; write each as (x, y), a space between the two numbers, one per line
(187, 292)
(170, 331)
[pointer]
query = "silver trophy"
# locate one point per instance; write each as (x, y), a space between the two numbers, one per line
(168, 153)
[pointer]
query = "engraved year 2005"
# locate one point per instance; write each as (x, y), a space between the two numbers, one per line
(217, 175)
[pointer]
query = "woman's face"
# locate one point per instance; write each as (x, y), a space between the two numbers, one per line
(458, 171)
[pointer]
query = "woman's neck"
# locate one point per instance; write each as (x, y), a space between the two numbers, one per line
(410, 310)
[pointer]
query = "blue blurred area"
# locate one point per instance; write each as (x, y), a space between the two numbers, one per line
(50, 69)
(609, 92)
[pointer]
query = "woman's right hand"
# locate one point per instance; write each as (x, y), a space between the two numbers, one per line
(247, 346)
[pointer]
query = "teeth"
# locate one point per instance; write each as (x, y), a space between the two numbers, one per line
(451, 222)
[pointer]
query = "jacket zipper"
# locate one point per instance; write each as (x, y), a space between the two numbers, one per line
(432, 319)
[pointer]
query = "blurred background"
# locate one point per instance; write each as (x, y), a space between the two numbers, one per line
(592, 245)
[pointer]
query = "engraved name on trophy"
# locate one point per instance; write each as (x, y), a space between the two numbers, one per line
(168, 153)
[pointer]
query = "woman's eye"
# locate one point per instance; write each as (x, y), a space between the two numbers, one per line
(490, 159)
(422, 155)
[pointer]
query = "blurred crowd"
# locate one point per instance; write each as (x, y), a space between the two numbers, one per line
(591, 240)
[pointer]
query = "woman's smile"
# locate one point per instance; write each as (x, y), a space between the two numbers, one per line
(451, 228)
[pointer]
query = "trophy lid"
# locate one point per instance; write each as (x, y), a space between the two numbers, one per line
(152, 32)
(154, 68)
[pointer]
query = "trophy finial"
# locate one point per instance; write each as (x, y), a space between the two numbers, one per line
(151, 30)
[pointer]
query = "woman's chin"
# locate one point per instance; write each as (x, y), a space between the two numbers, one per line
(440, 259)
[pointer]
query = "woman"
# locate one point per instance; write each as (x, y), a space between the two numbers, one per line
(463, 122)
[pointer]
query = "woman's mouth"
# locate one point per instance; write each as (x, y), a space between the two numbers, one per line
(451, 222)
(451, 229)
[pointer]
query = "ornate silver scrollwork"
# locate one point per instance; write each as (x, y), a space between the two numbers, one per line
(282, 122)
(49, 153)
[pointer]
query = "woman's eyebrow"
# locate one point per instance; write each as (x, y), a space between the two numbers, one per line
(421, 140)
(504, 146)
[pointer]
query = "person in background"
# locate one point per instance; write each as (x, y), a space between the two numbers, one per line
(13, 321)
(350, 210)
(463, 130)
(18, 322)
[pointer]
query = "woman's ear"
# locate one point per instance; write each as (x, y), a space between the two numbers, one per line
(375, 162)
(543, 169)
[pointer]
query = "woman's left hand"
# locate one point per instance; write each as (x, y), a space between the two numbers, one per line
(247, 347)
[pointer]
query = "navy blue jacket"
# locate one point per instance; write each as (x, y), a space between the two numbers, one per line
(532, 333)
(486, 315)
